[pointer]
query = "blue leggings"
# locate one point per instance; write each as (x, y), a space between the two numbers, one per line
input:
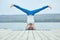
(28, 12)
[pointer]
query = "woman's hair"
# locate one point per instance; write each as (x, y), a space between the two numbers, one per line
(30, 24)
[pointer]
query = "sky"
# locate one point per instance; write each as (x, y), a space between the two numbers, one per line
(30, 5)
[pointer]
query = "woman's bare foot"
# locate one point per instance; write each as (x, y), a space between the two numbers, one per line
(50, 6)
(11, 5)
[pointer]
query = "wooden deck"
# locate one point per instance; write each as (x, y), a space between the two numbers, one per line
(30, 35)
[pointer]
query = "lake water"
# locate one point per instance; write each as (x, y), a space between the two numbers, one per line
(39, 26)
